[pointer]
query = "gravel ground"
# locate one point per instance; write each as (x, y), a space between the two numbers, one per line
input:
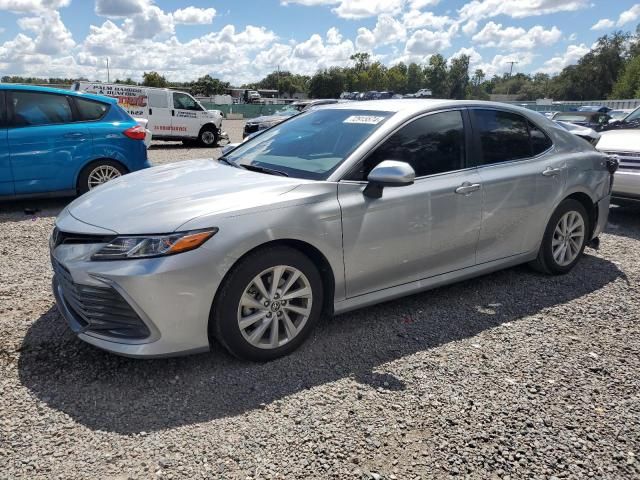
(512, 375)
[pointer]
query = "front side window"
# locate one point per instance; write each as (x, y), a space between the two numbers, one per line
(310, 145)
(504, 136)
(182, 101)
(90, 110)
(431, 144)
(36, 108)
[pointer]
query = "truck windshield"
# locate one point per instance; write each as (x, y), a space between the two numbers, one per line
(310, 145)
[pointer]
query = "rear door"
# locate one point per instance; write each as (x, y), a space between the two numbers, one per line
(521, 181)
(6, 175)
(159, 113)
(46, 146)
(186, 115)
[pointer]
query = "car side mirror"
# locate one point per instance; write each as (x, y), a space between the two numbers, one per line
(389, 173)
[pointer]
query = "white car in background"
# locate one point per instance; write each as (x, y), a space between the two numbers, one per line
(171, 115)
(625, 146)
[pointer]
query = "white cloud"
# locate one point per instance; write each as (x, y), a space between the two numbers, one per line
(194, 16)
(630, 15)
(418, 4)
(479, 9)
(470, 27)
(355, 9)
(151, 23)
(515, 38)
(474, 57)
(414, 19)
(52, 36)
(333, 36)
(32, 6)
(120, 8)
(501, 64)
(365, 40)
(569, 57)
(425, 42)
(603, 24)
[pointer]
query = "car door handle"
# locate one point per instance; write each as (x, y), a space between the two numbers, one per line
(74, 135)
(552, 172)
(466, 188)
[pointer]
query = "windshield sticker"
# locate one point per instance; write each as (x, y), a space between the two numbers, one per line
(366, 119)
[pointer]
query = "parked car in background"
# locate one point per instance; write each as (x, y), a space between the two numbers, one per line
(59, 142)
(302, 105)
(594, 108)
(337, 208)
(423, 93)
(625, 146)
(263, 122)
(171, 114)
(593, 120)
(617, 115)
(631, 121)
(586, 133)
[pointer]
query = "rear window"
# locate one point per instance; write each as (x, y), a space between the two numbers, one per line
(89, 110)
(38, 108)
(572, 117)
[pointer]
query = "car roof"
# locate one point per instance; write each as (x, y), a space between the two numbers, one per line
(36, 88)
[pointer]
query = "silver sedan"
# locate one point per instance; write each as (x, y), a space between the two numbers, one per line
(334, 209)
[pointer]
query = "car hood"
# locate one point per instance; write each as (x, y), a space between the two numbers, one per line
(161, 199)
(619, 141)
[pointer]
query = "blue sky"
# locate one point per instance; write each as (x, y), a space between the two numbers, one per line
(242, 40)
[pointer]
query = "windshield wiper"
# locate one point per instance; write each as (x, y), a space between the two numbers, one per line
(269, 171)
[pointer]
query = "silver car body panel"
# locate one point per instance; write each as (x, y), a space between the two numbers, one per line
(413, 238)
(625, 145)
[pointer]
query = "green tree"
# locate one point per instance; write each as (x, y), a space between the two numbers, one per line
(208, 86)
(397, 78)
(436, 75)
(154, 79)
(628, 84)
(459, 77)
(415, 78)
(362, 59)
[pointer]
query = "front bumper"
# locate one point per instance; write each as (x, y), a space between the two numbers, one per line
(172, 296)
(626, 185)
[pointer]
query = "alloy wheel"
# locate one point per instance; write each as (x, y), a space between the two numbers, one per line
(102, 174)
(275, 307)
(208, 137)
(568, 238)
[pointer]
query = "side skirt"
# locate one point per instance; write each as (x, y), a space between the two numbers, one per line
(429, 283)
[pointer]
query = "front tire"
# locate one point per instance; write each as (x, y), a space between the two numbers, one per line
(97, 173)
(208, 137)
(268, 305)
(564, 239)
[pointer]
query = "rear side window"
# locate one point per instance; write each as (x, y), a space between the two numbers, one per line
(504, 136)
(37, 108)
(539, 140)
(431, 144)
(158, 100)
(89, 110)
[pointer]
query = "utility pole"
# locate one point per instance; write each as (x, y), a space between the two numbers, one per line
(510, 72)
(108, 77)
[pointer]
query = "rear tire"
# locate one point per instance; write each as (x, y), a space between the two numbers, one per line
(208, 137)
(97, 173)
(256, 321)
(564, 240)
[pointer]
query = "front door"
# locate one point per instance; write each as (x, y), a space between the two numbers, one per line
(46, 147)
(187, 115)
(521, 181)
(417, 231)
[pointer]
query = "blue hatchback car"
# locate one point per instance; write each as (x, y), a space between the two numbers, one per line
(59, 142)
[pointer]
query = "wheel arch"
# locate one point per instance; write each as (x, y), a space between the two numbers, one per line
(589, 205)
(313, 253)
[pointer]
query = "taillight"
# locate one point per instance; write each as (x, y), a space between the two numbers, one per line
(135, 133)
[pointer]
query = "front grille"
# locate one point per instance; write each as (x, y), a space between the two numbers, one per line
(67, 238)
(628, 160)
(99, 309)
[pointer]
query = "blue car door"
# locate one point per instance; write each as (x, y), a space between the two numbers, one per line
(6, 177)
(47, 147)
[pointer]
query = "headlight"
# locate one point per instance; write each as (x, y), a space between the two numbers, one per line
(148, 246)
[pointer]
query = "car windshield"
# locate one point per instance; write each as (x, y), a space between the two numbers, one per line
(286, 112)
(310, 145)
(635, 115)
(618, 114)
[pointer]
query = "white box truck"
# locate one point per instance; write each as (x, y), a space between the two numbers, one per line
(171, 114)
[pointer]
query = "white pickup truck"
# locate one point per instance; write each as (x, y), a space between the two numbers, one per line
(171, 115)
